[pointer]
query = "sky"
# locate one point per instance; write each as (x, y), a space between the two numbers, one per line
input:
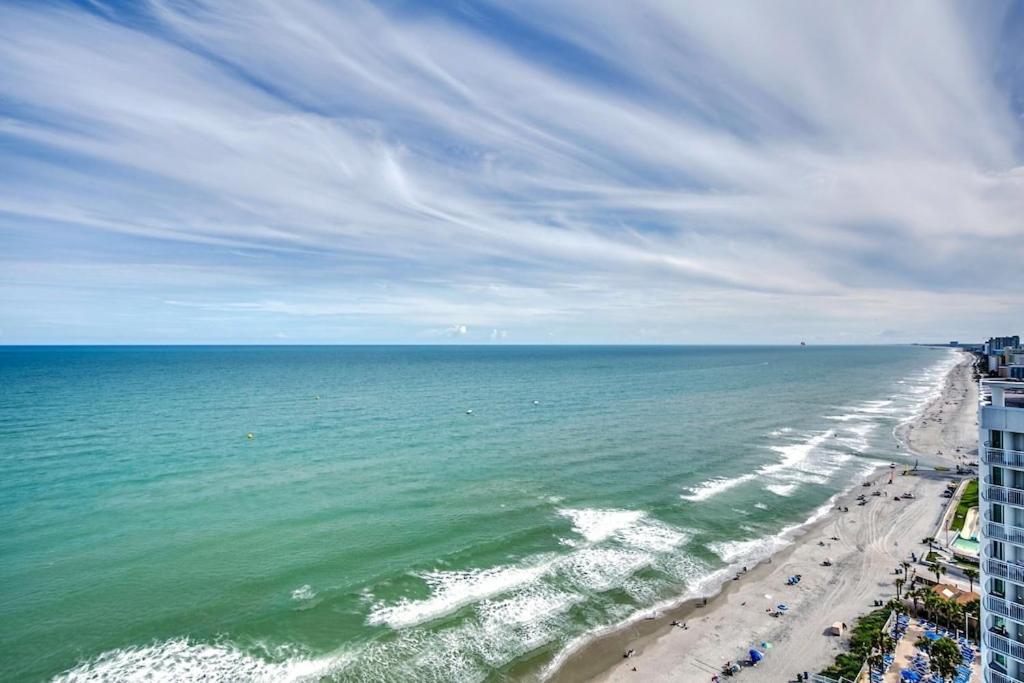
(247, 171)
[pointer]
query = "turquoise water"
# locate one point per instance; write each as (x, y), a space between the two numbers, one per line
(372, 529)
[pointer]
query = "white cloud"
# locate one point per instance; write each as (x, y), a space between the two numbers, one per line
(754, 170)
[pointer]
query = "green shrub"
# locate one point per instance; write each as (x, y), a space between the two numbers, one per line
(848, 664)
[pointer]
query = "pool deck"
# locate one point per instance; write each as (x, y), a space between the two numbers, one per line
(906, 651)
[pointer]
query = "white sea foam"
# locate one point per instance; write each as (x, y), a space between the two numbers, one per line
(681, 567)
(780, 432)
(534, 604)
(884, 407)
(183, 660)
(652, 535)
(854, 436)
(760, 506)
(862, 429)
(419, 654)
(713, 487)
(508, 628)
(795, 455)
(597, 525)
(782, 489)
(636, 540)
(305, 592)
(452, 590)
(642, 591)
(756, 549)
(601, 569)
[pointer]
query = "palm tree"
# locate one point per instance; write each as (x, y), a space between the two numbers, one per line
(931, 604)
(973, 610)
(915, 596)
(956, 614)
(945, 656)
(876, 661)
(971, 575)
(938, 569)
(929, 540)
(947, 611)
(899, 586)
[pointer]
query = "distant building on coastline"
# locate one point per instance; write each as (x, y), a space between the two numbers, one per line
(1005, 356)
(1001, 452)
(996, 344)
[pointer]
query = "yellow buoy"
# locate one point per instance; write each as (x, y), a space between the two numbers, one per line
(250, 435)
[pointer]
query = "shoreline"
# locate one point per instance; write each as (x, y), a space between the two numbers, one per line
(664, 652)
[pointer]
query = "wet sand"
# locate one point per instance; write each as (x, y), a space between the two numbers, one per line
(873, 539)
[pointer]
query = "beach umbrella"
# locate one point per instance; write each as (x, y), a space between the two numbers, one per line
(756, 656)
(910, 675)
(931, 635)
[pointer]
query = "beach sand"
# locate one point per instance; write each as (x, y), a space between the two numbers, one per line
(873, 539)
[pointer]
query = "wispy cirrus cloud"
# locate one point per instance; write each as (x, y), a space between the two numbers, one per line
(574, 171)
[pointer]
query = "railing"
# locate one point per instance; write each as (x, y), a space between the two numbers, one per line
(1004, 532)
(1002, 456)
(1004, 570)
(1005, 645)
(1001, 494)
(1006, 609)
(996, 677)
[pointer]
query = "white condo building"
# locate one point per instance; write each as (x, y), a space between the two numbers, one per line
(1001, 451)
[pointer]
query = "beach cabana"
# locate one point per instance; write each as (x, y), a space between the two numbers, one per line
(837, 629)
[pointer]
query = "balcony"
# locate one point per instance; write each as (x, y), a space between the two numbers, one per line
(1004, 608)
(1002, 457)
(993, 676)
(1001, 494)
(1004, 532)
(1008, 419)
(1005, 645)
(1004, 570)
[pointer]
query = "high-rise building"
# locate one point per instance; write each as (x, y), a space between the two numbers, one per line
(1001, 451)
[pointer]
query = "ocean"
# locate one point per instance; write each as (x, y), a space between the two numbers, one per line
(405, 513)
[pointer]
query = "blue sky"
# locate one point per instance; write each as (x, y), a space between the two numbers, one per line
(525, 172)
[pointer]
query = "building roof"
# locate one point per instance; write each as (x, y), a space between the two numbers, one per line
(958, 595)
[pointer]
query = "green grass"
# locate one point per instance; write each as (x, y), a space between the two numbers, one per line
(968, 500)
(848, 664)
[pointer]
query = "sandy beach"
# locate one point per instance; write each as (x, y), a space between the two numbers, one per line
(872, 540)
